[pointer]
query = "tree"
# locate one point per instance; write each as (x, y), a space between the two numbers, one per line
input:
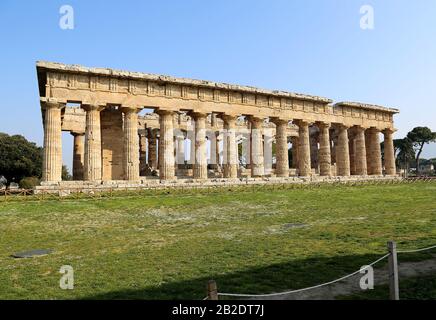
(405, 150)
(420, 136)
(66, 176)
(19, 158)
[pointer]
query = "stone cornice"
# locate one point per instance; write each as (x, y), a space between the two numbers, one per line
(366, 106)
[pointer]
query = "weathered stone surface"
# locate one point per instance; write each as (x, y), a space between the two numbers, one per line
(342, 152)
(304, 164)
(106, 105)
(324, 149)
(52, 157)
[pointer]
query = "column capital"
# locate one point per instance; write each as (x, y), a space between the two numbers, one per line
(165, 112)
(252, 118)
(321, 124)
(227, 117)
(342, 126)
(389, 131)
(279, 121)
(374, 129)
(256, 123)
(76, 134)
(51, 103)
(301, 122)
(197, 115)
(130, 109)
(359, 129)
(92, 107)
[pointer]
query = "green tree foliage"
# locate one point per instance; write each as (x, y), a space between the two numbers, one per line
(66, 176)
(420, 136)
(405, 152)
(19, 158)
(29, 182)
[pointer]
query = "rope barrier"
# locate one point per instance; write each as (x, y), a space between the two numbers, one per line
(300, 290)
(417, 250)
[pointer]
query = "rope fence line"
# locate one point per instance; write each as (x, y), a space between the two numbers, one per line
(417, 250)
(213, 293)
(303, 289)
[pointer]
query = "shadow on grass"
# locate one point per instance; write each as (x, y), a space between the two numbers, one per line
(267, 279)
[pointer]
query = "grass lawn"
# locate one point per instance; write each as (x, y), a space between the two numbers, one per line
(167, 247)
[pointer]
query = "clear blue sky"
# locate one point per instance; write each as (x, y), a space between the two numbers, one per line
(307, 46)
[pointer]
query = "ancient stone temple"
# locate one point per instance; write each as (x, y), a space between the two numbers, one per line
(141, 128)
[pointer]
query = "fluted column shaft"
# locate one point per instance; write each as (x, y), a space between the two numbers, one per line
(52, 156)
(352, 150)
(142, 153)
(360, 152)
(294, 141)
(152, 148)
(180, 149)
(131, 144)
(200, 165)
(304, 165)
(166, 145)
(389, 153)
(282, 161)
(343, 152)
(374, 152)
(257, 161)
(230, 161)
(324, 154)
(217, 147)
(314, 157)
(78, 155)
(93, 162)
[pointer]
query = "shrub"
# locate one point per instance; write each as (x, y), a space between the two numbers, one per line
(29, 182)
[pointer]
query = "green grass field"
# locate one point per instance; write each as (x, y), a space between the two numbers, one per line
(168, 246)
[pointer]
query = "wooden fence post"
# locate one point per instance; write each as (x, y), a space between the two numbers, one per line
(394, 293)
(212, 291)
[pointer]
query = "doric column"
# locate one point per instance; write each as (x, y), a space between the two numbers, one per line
(180, 138)
(191, 136)
(230, 152)
(217, 147)
(389, 153)
(343, 152)
(333, 144)
(352, 150)
(212, 138)
(166, 145)
(142, 153)
(257, 166)
(314, 149)
(52, 156)
(78, 155)
(373, 148)
(304, 166)
(360, 152)
(131, 144)
(282, 161)
(324, 154)
(93, 167)
(246, 147)
(152, 148)
(200, 165)
(294, 141)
